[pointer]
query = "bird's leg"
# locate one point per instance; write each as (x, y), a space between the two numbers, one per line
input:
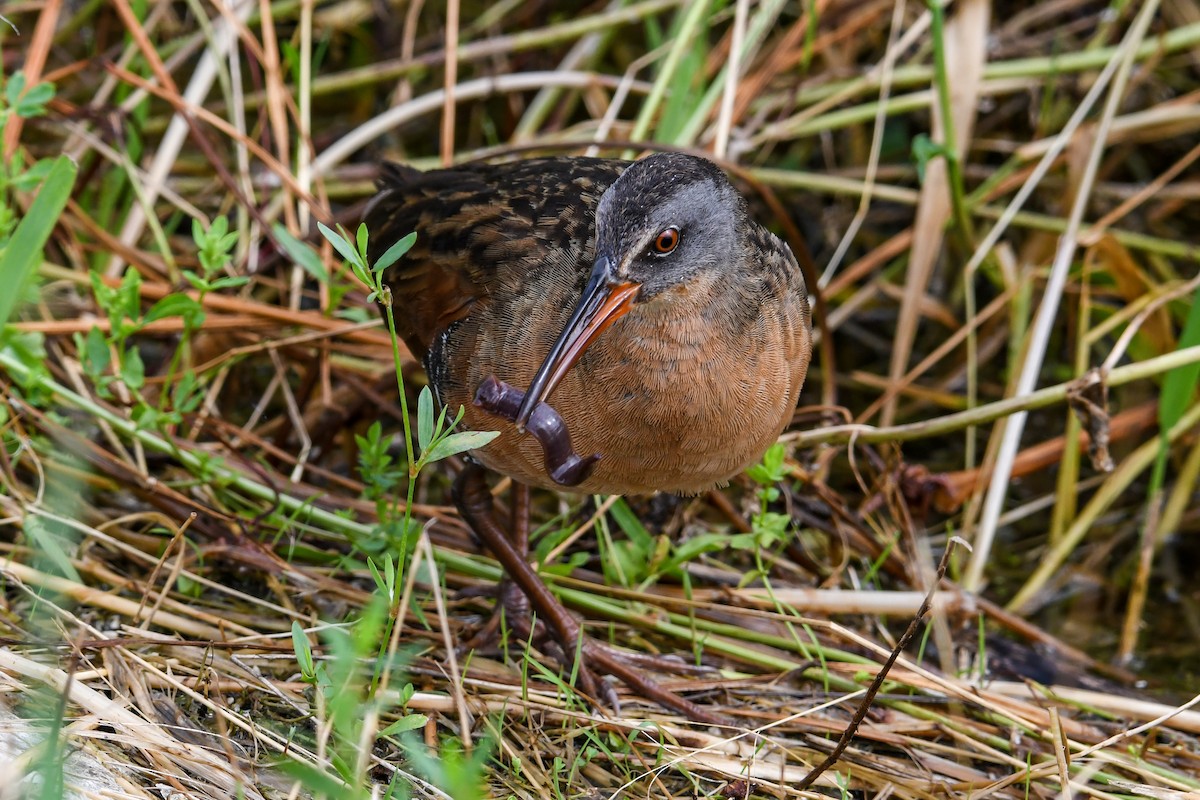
(474, 502)
(512, 606)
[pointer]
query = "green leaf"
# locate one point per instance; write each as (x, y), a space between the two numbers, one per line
(299, 252)
(30, 179)
(303, 650)
(424, 418)
(409, 722)
(316, 781)
(229, 282)
(770, 470)
(96, 354)
(393, 253)
(1179, 386)
(339, 242)
(33, 102)
(176, 305)
(361, 240)
(925, 150)
(623, 515)
(133, 371)
(27, 348)
(694, 547)
(23, 255)
(627, 562)
(50, 545)
(457, 443)
(14, 88)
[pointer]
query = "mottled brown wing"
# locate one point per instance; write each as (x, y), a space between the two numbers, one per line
(479, 227)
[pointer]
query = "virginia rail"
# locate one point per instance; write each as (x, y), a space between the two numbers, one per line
(639, 300)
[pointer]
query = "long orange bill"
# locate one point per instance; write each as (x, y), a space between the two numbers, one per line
(602, 304)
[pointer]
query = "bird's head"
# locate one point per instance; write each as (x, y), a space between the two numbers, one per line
(666, 221)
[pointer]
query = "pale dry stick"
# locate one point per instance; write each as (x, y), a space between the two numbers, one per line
(277, 102)
(304, 125)
(544, 101)
(260, 408)
(733, 72)
(608, 503)
(247, 250)
(135, 173)
(890, 54)
(720, 744)
(756, 31)
(150, 737)
(410, 585)
(281, 175)
(1058, 742)
(828, 602)
(1047, 768)
(847, 91)
(1170, 119)
(1117, 705)
(1142, 195)
(373, 128)
(177, 130)
(962, 39)
(619, 95)
(456, 683)
(303, 121)
(1048, 311)
(1135, 324)
(123, 606)
(990, 412)
(451, 81)
(295, 415)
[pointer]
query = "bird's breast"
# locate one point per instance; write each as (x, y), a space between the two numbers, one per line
(671, 398)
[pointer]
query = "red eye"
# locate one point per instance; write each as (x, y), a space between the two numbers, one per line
(666, 241)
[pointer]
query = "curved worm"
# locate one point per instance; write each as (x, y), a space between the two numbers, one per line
(563, 464)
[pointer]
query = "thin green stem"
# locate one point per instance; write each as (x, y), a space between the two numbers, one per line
(949, 139)
(991, 412)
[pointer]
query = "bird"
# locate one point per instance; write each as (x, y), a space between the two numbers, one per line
(637, 306)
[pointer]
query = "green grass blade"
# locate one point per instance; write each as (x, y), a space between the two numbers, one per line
(1179, 386)
(24, 252)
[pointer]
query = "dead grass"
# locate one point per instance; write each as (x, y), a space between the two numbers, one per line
(154, 568)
